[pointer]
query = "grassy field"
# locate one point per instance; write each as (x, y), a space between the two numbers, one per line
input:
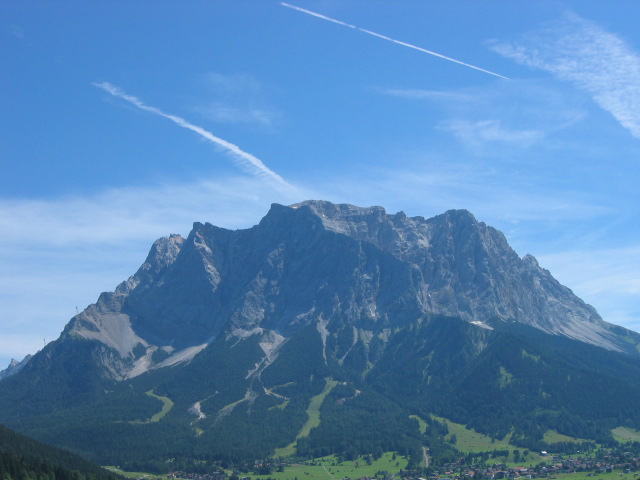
(551, 436)
(421, 422)
(135, 474)
(471, 441)
(597, 476)
(167, 405)
(328, 468)
(313, 419)
(625, 434)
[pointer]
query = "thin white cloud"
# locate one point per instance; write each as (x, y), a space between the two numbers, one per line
(517, 114)
(232, 84)
(601, 270)
(596, 61)
(235, 98)
(432, 95)
(479, 133)
(121, 215)
(18, 32)
(223, 113)
(389, 39)
(608, 279)
(13, 346)
(494, 196)
(247, 161)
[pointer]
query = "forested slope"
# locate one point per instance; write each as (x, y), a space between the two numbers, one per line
(22, 458)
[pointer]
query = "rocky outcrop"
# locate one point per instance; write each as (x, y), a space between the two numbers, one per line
(14, 367)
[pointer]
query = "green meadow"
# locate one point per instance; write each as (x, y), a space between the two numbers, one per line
(625, 434)
(313, 419)
(328, 468)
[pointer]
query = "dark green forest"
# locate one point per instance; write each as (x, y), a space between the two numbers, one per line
(512, 379)
(22, 458)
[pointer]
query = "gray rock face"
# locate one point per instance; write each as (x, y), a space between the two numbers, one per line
(334, 265)
(14, 367)
(468, 270)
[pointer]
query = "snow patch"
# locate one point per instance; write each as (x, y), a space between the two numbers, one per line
(480, 324)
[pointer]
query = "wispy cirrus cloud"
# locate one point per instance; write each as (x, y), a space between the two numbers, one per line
(498, 197)
(433, 95)
(607, 278)
(120, 215)
(236, 98)
(224, 113)
(479, 133)
(245, 160)
(517, 114)
(232, 84)
(599, 62)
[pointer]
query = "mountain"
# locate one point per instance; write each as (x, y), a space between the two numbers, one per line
(14, 367)
(223, 343)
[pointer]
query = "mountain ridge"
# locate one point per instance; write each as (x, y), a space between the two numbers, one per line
(450, 264)
(240, 329)
(456, 279)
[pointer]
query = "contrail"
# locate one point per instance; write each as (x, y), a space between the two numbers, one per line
(247, 161)
(404, 44)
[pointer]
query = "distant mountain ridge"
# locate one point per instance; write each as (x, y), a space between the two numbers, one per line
(239, 330)
(14, 367)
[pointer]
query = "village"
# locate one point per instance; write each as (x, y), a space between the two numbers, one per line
(620, 463)
(557, 465)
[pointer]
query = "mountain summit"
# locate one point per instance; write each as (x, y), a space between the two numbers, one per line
(317, 262)
(236, 331)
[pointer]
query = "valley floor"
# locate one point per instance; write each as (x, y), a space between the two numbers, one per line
(390, 466)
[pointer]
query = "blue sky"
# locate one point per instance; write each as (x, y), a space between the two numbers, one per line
(127, 121)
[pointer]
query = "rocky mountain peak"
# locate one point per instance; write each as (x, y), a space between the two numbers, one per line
(163, 252)
(14, 367)
(457, 217)
(337, 265)
(530, 260)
